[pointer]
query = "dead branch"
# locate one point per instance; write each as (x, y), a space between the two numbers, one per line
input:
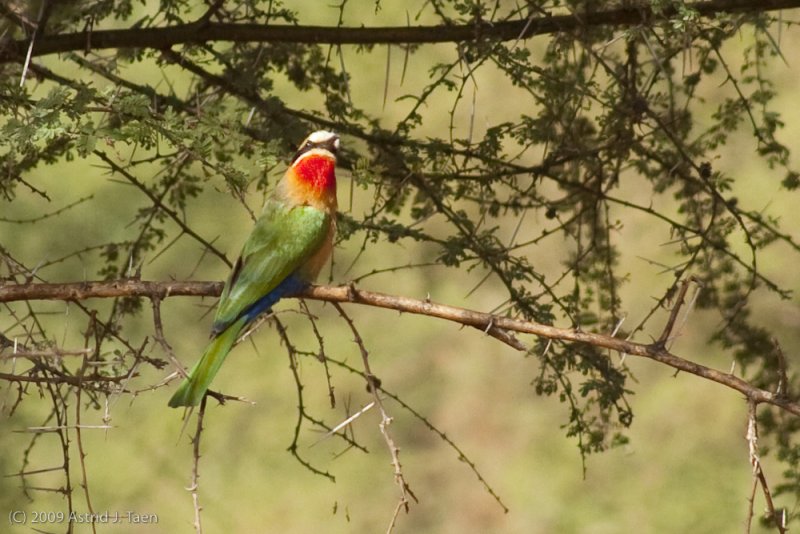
(777, 517)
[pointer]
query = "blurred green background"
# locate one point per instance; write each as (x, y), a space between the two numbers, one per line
(685, 469)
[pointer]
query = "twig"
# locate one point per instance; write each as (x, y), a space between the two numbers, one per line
(373, 385)
(321, 356)
(783, 379)
(198, 526)
(33, 220)
(79, 439)
(54, 353)
(462, 456)
(17, 17)
(175, 216)
(778, 519)
(62, 379)
(59, 428)
(346, 422)
(159, 335)
(28, 58)
(673, 315)
(301, 410)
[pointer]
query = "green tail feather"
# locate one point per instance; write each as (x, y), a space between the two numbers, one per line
(193, 388)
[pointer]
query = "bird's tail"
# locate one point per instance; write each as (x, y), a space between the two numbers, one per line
(193, 388)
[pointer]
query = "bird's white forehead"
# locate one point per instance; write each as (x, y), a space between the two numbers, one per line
(321, 136)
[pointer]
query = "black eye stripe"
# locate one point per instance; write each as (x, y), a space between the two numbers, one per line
(331, 145)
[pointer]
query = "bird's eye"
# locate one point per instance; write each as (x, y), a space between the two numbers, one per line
(309, 144)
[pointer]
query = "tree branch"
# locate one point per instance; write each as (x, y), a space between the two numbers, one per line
(108, 289)
(205, 31)
(349, 294)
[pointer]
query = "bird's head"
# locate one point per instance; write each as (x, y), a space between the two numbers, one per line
(311, 178)
(320, 143)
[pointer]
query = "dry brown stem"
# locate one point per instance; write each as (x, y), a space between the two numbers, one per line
(350, 294)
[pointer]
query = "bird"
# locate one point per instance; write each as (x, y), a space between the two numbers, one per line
(288, 246)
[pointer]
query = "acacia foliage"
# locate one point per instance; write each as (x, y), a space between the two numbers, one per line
(594, 110)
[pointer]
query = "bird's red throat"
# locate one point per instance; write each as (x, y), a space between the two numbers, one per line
(317, 173)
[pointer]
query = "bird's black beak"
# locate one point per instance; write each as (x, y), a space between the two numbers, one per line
(331, 145)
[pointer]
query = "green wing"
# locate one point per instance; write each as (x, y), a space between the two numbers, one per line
(284, 237)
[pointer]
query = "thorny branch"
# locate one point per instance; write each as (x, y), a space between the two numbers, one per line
(301, 410)
(158, 328)
(373, 385)
(776, 517)
(670, 326)
(350, 294)
(158, 203)
(79, 439)
(321, 356)
(63, 379)
(198, 526)
(462, 456)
